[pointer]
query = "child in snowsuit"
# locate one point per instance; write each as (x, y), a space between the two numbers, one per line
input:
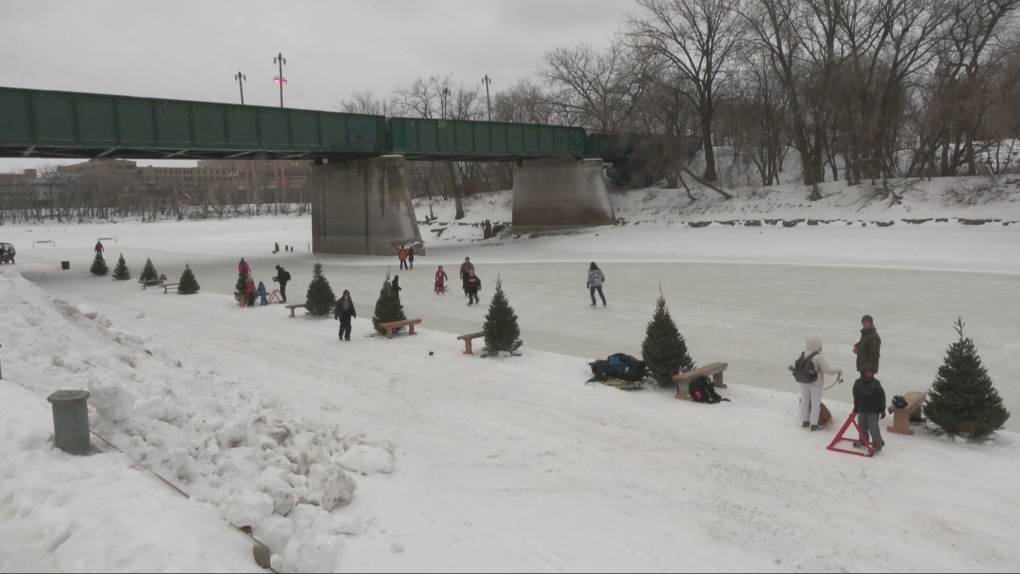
(869, 402)
(261, 290)
(249, 287)
(440, 280)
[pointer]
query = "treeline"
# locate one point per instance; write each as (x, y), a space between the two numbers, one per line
(106, 195)
(859, 89)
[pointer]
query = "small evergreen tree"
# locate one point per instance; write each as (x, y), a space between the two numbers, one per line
(388, 307)
(120, 272)
(149, 271)
(501, 330)
(241, 286)
(664, 350)
(188, 284)
(962, 401)
(99, 267)
(320, 298)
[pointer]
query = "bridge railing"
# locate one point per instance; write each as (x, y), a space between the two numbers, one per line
(418, 138)
(125, 126)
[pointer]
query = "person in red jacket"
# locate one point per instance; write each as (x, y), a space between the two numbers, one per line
(440, 280)
(99, 248)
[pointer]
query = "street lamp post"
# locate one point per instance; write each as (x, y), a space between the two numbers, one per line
(241, 78)
(446, 94)
(487, 80)
(280, 60)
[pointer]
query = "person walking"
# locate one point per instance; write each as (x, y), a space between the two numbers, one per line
(869, 404)
(344, 311)
(395, 284)
(402, 255)
(99, 249)
(282, 277)
(811, 393)
(869, 347)
(595, 280)
(472, 285)
(440, 280)
(410, 256)
(465, 267)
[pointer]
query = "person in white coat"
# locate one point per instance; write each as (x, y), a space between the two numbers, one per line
(811, 393)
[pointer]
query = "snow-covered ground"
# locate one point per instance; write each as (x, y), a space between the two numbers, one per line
(407, 455)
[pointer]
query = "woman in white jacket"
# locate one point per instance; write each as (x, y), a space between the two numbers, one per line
(811, 393)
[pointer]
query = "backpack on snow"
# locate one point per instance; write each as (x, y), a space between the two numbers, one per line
(702, 390)
(804, 369)
(618, 366)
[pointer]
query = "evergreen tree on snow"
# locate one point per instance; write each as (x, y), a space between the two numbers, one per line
(99, 267)
(962, 401)
(320, 297)
(388, 307)
(502, 332)
(188, 284)
(149, 271)
(664, 350)
(120, 272)
(241, 286)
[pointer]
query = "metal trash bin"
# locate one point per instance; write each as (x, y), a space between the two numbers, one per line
(71, 421)
(65, 265)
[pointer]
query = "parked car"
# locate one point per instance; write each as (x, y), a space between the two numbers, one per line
(7, 253)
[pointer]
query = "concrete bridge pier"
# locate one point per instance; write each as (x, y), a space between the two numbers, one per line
(553, 194)
(362, 207)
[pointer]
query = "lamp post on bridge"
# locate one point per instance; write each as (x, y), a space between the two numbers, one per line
(444, 95)
(241, 78)
(280, 60)
(487, 80)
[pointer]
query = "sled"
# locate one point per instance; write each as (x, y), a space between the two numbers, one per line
(851, 420)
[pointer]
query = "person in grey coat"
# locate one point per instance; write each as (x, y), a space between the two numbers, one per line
(811, 393)
(869, 403)
(595, 280)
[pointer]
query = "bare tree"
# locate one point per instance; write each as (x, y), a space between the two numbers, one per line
(970, 54)
(698, 40)
(363, 103)
(593, 90)
(800, 38)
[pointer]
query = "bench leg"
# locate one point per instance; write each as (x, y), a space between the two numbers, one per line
(718, 381)
(467, 347)
(292, 312)
(901, 423)
(389, 333)
(410, 329)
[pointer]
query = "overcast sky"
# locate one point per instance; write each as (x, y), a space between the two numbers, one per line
(192, 49)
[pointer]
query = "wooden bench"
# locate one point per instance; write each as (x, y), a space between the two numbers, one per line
(467, 341)
(151, 283)
(295, 306)
(166, 286)
(715, 370)
(912, 412)
(409, 323)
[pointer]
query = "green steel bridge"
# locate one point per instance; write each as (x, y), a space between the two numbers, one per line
(65, 125)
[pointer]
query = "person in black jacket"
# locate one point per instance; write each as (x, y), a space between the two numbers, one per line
(344, 311)
(282, 277)
(869, 403)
